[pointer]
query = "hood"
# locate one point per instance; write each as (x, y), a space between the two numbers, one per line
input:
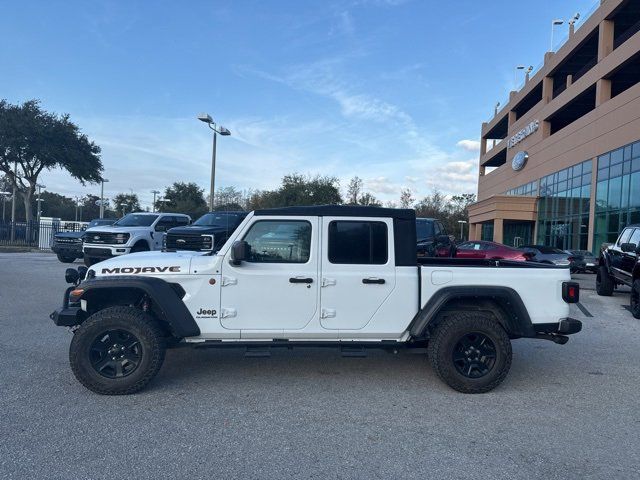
(112, 229)
(199, 229)
(155, 264)
(68, 235)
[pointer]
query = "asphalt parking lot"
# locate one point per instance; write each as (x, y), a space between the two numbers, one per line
(564, 411)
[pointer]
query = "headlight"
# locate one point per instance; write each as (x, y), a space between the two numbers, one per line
(207, 242)
(122, 237)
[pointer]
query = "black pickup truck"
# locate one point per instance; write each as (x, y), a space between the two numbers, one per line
(68, 245)
(619, 264)
(208, 233)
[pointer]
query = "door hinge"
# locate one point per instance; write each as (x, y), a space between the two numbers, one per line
(328, 313)
(228, 312)
(326, 282)
(229, 281)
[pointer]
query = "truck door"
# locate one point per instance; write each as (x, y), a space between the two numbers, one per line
(617, 256)
(629, 259)
(277, 287)
(357, 270)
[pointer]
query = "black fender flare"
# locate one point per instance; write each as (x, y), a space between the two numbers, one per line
(605, 260)
(516, 322)
(170, 308)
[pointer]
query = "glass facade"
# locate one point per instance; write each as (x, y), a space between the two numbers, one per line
(563, 207)
(528, 190)
(487, 232)
(617, 193)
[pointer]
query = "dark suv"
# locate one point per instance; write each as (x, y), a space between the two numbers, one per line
(68, 245)
(432, 238)
(208, 233)
(619, 265)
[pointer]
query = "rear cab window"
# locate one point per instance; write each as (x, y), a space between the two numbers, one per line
(358, 242)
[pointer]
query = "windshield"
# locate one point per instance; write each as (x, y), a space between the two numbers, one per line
(424, 230)
(550, 250)
(95, 223)
(218, 219)
(136, 220)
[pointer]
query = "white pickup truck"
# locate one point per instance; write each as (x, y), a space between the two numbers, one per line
(312, 276)
(135, 232)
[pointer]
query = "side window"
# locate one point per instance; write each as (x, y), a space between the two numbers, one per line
(165, 223)
(624, 236)
(635, 237)
(466, 246)
(437, 228)
(181, 221)
(356, 242)
(442, 230)
(279, 241)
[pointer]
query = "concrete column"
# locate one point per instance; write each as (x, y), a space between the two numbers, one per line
(605, 39)
(483, 146)
(603, 91)
(547, 89)
(512, 118)
(482, 170)
(569, 80)
(498, 227)
(546, 129)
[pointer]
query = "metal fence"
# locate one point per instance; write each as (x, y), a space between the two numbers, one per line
(34, 234)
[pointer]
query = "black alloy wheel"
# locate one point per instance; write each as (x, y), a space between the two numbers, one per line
(474, 355)
(115, 353)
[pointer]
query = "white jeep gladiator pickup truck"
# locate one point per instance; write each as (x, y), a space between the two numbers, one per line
(135, 232)
(312, 276)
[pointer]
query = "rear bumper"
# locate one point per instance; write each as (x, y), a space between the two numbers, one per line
(566, 326)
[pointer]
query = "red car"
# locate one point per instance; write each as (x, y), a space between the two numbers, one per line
(489, 250)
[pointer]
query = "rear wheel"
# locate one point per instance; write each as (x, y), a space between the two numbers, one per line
(604, 282)
(65, 258)
(635, 299)
(117, 351)
(470, 352)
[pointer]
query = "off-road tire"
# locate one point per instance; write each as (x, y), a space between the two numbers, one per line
(136, 322)
(635, 299)
(604, 282)
(65, 259)
(447, 336)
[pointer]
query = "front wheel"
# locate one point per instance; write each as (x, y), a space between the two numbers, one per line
(117, 351)
(635, 299)
(65, 258)
(604, 283)
(470, 352)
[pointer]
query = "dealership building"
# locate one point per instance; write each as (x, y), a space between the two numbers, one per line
(560, 162)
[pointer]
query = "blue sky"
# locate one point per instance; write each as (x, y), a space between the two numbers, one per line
(393, 91)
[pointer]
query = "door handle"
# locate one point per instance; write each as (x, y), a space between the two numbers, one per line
(369, 281)
(300, 280)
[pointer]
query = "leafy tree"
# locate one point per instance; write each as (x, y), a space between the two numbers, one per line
(354, 190)
(369, 200)
(56, 205)
(126, 203)
(33, 140)
(230, 199)
(299, 189)
(406, 198)
(183, 197)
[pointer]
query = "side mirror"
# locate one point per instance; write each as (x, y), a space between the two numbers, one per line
(239, 252)
(628, 247)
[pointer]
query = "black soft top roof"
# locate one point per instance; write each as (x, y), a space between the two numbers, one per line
(339, 211)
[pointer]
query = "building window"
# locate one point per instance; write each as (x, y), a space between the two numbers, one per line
(486, 232)
(528, 190)
(617, 193)
(563, 207)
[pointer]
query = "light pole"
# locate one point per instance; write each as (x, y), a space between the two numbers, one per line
(155, 192)
(13, 200)
(554, 23)
(461, 222)
(515, 75)
(102, 182)
(40, 187)
(206, 118)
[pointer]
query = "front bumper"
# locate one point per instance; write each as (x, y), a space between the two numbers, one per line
(67, 249)
(67, 316)
(105, 251)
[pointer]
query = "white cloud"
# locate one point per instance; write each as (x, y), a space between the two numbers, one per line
(469, 145)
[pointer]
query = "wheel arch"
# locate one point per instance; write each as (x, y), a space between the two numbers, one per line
(165, 300)
(141, 241)
(503, 303)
